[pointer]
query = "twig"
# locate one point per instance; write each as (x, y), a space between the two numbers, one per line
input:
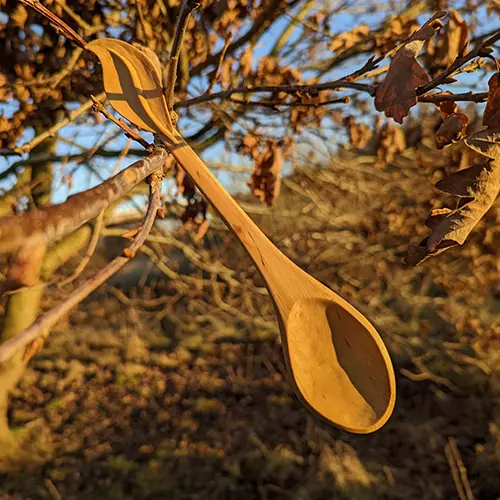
(53, 222)
(50, 132)
(146, 29)
(288, 89)
(180, 29)
(90, 251)
(129, 132)
(41, 327)
(260, 24)
(58, 23)
(52, 490)
(468, 96)
(458, 470)
(219, 64)
(81, 22)
(276, 104)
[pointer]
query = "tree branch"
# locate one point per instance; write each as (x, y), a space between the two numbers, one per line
(58, 24)
(275, 104)
(467, 96)
(180, 29)
(51, 223)
(50, 132)
(288, 89)
(268, 16)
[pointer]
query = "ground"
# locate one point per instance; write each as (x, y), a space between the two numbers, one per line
(189, 398)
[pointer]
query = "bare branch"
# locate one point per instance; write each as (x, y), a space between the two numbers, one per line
(468, 96)
(219, 64)
(276, 104)
(51, 223)
(89, 253)
(288, 89)
(180, 29)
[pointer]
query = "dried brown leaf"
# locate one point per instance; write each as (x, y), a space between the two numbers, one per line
(452, 130)
(392, 141)
(485, 142)
(451, 45)
(19, 17)
(457, 36)
(359, 133)
(447, 108)
(397, 93)
(478, 188)
(464, 183)
(349, 39)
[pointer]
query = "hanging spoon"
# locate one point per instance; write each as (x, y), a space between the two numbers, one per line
(340, 367)
(339, 364)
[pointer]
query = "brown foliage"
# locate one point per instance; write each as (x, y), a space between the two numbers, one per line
(266, 176)
(477, 186)
(359, 133)
(391, 142)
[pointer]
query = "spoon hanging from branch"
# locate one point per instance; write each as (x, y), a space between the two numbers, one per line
(339, 365)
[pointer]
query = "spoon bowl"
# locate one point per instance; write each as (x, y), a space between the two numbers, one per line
(339, 365)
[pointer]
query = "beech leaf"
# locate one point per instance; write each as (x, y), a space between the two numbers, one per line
(132, 82)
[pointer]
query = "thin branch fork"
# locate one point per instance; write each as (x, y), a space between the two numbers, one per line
(481, 50)
(41, 327)
(53, 222)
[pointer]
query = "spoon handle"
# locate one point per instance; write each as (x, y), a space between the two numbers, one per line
(259, 247)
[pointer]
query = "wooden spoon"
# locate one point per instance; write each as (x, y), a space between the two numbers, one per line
(340, 367)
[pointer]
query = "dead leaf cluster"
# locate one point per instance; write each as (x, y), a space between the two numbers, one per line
(391, 142)
(359, 133)
(265, 181)
(477, 186)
